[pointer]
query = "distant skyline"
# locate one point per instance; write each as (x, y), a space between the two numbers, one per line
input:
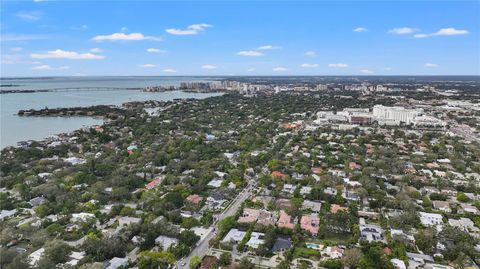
(244, 38)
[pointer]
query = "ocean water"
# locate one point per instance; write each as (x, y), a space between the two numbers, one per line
(74, 92)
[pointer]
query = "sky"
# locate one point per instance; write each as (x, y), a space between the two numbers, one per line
(90, 38)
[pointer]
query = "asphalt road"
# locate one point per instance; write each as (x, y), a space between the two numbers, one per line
(202, 246)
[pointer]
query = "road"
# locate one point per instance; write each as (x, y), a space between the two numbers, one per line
(202, 246)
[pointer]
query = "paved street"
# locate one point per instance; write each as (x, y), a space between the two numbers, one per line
(202, 246)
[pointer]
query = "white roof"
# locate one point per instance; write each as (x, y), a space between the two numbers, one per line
(256, 240)
(215, 183)
(234, 235)
(165, 241)
(35, 256)
(116, 262)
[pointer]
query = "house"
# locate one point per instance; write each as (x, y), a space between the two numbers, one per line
(234, 235)
(332, 253)
(416, 260)
(249, 215)
(256, 239)
(351, 196)
(399, 235)
(283, 204)
(334, 208)
(194, 199)
(216, 183)
(5, 214)
(35, 256)
(464, 224)
(209, 262)
(215, 201)
(267, 218)
(289, 188)
(305, 190)
(398, 264)
(75, 258)
(310, 223)
(278, 174)
(37, 201)
(126, 221)
(285, 221)
(330, 191)
(468, 209)
(442, 206)
(81, 217)
(154, 183)
(116, 262)
(371, 233)
(312, 206)
(281, 244)
(165, 241)
(430, 219)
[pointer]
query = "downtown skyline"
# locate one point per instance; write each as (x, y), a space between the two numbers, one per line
(210, 38)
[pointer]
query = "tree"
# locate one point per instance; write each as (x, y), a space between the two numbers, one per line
(462, 197)
(189, 238)
(225, 258)
(283, 265)
(195, 262)
(57, 252)
(352, 257)
(245, 263)
(153, 259)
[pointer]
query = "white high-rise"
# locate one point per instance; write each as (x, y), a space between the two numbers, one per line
(396, 113)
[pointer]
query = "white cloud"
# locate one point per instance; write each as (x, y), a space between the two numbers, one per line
(29, 15)
(251, 69)
(62, 54)
(338, 65)
(360, 29)
(147, 65)
(155, 50)
(48, 67)
(169, 70)
(309, 65)
(124, 29)
(16, 49)
(190, 30)
(125, 37)
(388, 68)
(250, 53)
(96, 50)
(366, 71)
(42, 67)
(279, 69)
(430, 65)
(208, 66)
(402, 31)
(267, 47)
(311, 53)
(443, 32)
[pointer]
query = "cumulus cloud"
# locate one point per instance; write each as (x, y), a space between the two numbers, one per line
(62, 54)
(443, 32)
(190, 30)
(147, 65)
(338, 65)
(125, 37)
(279, 69)
(268, 47)
(155, 50)
(209, 66)
(360, 29)
(29, 15)
(311, 53)
(250, 53)
(251, 69)
(169, 70)
(402, 31)
(366, 71)
(430, 65)
(309, 65)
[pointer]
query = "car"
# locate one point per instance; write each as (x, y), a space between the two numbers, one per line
(183, 263)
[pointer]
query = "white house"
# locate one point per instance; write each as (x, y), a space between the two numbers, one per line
(430, 219)
(256, 240)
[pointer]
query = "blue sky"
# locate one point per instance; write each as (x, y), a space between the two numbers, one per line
(47, 38)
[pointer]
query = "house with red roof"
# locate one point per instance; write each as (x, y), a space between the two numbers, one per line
(310, 223)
